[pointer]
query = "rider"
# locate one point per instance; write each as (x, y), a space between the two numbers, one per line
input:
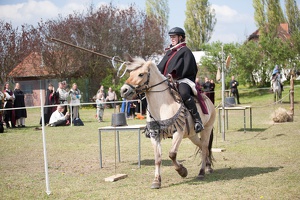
(276, 75)
(180, 63)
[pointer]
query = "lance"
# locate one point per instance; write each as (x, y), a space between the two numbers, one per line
(88, 50)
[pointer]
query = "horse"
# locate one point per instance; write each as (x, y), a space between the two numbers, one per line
(167, 117)
(276, 86)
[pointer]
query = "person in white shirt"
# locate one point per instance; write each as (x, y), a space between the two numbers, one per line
(63, 94)
(75, 100)
(58, 118)
(99, 102)
(111, 97)
(9, 115)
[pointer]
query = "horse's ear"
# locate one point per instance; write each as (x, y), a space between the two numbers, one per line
(128, 57)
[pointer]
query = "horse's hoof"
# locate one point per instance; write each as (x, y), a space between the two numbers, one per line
(200, 177)
(182, 171)
(210, 170)
(155, 185)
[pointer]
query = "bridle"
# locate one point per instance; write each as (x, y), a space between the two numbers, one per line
(145, 86)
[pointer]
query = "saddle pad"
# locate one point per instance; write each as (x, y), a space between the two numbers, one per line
(201, 100)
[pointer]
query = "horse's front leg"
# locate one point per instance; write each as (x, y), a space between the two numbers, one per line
(177, 138)
(156, 143)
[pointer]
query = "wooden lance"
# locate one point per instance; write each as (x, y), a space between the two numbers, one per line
(84, 49)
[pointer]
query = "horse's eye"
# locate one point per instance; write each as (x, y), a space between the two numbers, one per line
(141, 75)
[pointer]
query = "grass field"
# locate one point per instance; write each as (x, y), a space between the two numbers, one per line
(262, 163)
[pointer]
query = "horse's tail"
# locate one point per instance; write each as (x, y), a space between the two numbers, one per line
(211, 138)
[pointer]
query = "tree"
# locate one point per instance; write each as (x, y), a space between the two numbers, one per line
(293, 15)
(108, 30)
(274, 16)
(259, 13)
(159, 11)
(199, 23)
(15, 45)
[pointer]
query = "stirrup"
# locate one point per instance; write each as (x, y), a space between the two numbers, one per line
(198, 127)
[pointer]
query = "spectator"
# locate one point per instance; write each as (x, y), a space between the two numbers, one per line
(132, 110)
(212, 91)
(142, 101)
(100, 99)
(125, 107)
(9, 115)
(2, 97)
(58, 118)
(206, 87)
(63, 95)
(111, 97)
(75, 101)
(234, 90)
(19, 102)
(51, 98)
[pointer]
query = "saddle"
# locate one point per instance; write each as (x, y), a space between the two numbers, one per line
(197, 97)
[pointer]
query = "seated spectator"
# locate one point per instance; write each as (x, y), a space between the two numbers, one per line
(58, 118)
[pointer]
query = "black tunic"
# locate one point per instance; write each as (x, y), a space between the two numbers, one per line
(18, 103)
(182, 65)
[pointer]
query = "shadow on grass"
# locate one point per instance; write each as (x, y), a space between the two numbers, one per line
(252, 130)
(229, 174)
(151, 162)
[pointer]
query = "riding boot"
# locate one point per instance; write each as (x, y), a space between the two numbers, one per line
(191, 106)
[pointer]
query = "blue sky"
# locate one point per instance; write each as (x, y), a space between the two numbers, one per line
(235, 19)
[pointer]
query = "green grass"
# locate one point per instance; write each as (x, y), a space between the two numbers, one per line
(262, 163)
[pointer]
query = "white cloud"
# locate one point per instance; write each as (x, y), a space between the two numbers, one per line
(32, 11)
(228, 15)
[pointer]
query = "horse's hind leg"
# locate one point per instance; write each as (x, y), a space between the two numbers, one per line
(204, 147)
(177, 138)
(156, 184)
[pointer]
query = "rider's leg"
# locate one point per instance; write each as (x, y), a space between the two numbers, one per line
(186, 95)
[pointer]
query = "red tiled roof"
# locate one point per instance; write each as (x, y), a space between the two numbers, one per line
(282, 32)
(31, 66)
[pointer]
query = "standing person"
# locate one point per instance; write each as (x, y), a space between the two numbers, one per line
(234, 90)
(2, 97)
(9, 115)
(75, 101)
(63, 95)
(111, 96)
(100, 99)
(51, 98)
(206, 87)
(212, 91)
(180, 63)
(19, 102)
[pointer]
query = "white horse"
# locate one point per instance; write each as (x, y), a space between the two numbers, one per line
(276, 86)
(167, 116)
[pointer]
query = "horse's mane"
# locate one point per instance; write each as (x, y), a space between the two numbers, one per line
(137, 62)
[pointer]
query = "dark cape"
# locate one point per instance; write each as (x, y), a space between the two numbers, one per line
(51, 98)
(181, 65)
(19, 103)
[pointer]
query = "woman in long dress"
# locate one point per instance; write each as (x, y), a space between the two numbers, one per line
(19, 102)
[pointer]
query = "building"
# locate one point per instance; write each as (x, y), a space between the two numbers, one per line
(34, 77)
(282, 33)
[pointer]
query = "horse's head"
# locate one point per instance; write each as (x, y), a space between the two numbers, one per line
(138, 76)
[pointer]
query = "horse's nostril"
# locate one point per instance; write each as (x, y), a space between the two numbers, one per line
(125, 91)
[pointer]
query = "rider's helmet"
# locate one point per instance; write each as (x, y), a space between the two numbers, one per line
(177, 31)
